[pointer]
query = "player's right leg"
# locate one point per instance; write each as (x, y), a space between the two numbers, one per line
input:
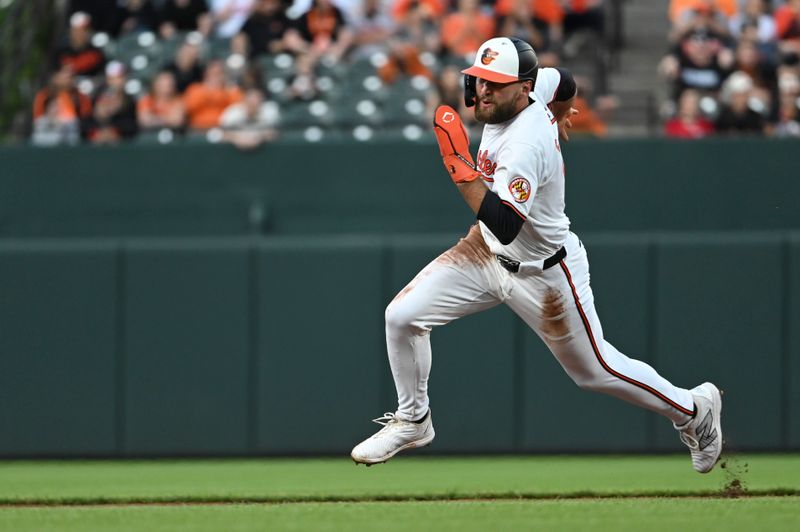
(461, 281)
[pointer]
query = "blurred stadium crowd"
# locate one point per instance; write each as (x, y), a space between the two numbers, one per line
(247, 71)
(734, 68)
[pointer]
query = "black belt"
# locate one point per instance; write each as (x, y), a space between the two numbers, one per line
(513, 265)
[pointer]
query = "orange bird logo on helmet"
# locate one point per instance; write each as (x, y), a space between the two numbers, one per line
(488, 56)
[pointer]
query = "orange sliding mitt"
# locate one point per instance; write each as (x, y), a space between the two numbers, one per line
(454, 145)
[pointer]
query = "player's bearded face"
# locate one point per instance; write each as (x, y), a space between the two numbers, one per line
(498, 102)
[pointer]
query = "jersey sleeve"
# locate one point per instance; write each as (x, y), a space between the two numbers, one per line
(554, 84)
(547, 82)
(519, 176)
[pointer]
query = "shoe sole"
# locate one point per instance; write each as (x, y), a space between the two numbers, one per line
(410, 445)
(716, 395)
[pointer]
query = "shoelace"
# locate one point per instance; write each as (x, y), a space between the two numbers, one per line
(385, 419)
(689, 441)
(390, 423)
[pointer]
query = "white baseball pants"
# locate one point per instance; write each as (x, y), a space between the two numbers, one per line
(556, 303)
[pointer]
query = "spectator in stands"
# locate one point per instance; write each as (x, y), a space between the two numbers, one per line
(375, 32)
(402, 58)
(790, 66)
(135, 16)
(703, 15)
(162, 107)
(302, 85)
(762, 72)
(689, 122)
(593, 110)
(787, 26)
(349, 8)
(373, 27)
(103, 13)
(464, 30)
(698, 61)
(583, 15)
(448, 89)
(78, 52)
(429, 9)
(60, 111)
(266, 28)
(788, 123)
(206, 101)
(114, 111)
(250, 123)
(536, 22)
(418, 24)
(321, 31)
(412, 29)
(229, 16)
(736, 116)
(681, 10)
(768, 50)
(251, 77)
(754, 14)
(186, 67)
(184, 15)
(515, 18)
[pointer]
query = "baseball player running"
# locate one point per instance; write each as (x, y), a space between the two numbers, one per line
(521, 253)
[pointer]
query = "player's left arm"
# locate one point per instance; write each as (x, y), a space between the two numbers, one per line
(557, 88)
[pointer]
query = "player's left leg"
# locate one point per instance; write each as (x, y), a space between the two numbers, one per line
(559, 305)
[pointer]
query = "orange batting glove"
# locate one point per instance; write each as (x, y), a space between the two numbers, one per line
(454, 145)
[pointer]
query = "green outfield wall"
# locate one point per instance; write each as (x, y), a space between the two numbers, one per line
(186, 190)
(196, 300)
(240, 346)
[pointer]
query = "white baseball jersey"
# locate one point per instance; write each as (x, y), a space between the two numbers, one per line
(520, 161)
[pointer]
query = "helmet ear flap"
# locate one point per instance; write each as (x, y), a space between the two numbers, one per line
(470, 93)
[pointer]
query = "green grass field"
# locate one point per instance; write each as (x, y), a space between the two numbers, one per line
(426, 493)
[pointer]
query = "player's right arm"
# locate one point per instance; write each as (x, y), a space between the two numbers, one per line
(503, 220)
(499, 214)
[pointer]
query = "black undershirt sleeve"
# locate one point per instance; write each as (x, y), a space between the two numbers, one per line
(567, 88)
(503, 221)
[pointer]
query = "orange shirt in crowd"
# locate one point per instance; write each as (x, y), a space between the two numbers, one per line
(205, 105)
(435, 8)
(677, 7)
(164, 109)
(461, 41)
(70, 105)
(322, 23)
(787, 22)
(580, 6)
(549, 11)
(586, 121)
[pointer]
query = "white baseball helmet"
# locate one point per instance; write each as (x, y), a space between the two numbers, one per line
(503, 60)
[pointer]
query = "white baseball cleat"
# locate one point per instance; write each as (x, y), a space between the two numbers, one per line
(395, 436)
(703, 433)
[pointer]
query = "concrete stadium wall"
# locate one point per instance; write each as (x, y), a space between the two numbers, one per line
(235, 346)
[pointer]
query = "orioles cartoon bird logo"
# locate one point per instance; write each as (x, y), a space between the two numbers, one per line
(488, 56)
(520, 189)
